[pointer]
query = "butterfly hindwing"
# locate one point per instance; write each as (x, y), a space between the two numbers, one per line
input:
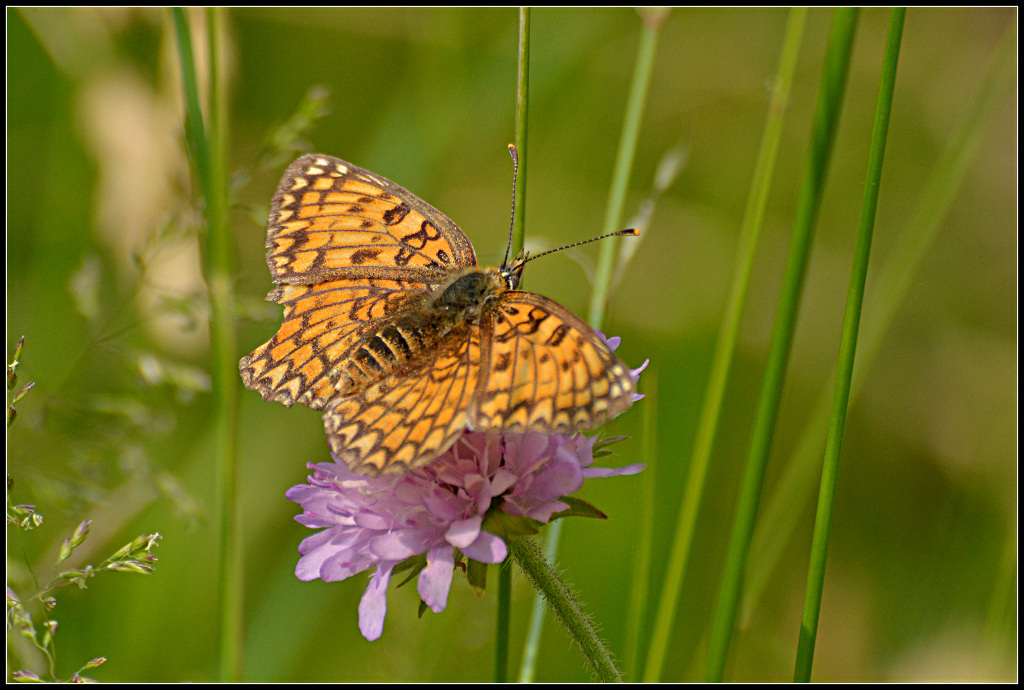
(407, 422)
(544, 369)
(323, 324)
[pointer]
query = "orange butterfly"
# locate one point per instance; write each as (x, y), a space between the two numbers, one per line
(392, 328)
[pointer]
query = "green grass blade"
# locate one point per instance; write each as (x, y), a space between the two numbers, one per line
(504, 621)
(847, 353)
(209, 148)
(785, 507)
(826, 122)
(639, 593)
(194, 129)
(516, 239)
(522, 101)
(722, 361)
(653, 20)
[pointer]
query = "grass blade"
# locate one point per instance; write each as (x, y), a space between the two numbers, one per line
(847, 353)
(826, 121)
(711, 408)
(208, 147)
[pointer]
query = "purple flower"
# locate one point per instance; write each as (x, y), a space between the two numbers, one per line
(368, 522)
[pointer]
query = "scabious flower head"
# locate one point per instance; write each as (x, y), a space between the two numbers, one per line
(368, 522)
(380, 522)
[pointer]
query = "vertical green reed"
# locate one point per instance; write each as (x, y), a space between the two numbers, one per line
(653, 20)
(517, 239)
(640, 592)
(208, 146)
(847, 352)
(711, 408)
(522, 101)
(826, 122)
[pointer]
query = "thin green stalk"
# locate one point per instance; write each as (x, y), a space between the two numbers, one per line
(208, 149)
(566, 609)
(516, 241)
(785, 507)
(721, 364)
(653, 20)
(847, 353)
(1000, 615)
(640, 592)
(194, 128)
(522, 101)
(504, 615)
(826, 122)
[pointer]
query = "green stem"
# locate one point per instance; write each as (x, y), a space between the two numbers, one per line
(712, 406)
(642, 558)
(194, 129)
(565, 607)
(516, 240)
(522, 102)
(653, 20)
(501, 645)
(826, 122)
(209, 149)
(847, 352)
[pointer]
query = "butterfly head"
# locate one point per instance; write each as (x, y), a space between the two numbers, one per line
(512, 274)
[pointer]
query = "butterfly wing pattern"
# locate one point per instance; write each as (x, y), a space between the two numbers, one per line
(347, 248)
(392, 330)
(544, 369)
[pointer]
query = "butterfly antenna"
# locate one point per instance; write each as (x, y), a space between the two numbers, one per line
(512, 223)
(620, 233)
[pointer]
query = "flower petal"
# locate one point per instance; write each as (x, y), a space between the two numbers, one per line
(614, 471)
(436, 579)
(374, 604)
(487, 548)
(464, 532)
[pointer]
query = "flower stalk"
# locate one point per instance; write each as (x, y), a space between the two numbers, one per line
(566, 609)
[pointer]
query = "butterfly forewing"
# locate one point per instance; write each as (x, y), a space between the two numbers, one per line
(331, 219)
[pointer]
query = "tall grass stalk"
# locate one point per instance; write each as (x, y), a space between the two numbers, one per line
(826, 121)
(788, 503)
(208, 146)
(653, 20)
(636, 614)
(847, 353)
(516, 239)
(711, 409)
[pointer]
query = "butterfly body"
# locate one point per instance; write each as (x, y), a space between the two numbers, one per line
(413, 333)
(394, 331)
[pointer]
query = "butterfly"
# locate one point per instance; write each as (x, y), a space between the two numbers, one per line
(393, 330)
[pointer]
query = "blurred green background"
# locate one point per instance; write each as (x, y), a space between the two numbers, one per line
(104, 280)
